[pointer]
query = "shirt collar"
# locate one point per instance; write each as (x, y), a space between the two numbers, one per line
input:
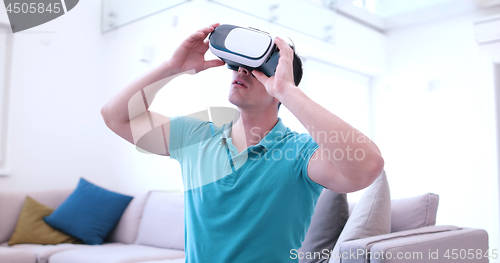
(279, 130)
(226, 131)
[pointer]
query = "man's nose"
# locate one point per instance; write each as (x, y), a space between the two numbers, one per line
(243, 70)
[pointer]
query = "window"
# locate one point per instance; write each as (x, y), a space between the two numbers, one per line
(344, 93)
(5, 58)
(115, 13)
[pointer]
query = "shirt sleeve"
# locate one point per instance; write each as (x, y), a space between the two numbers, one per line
(306, 147)
(185, 132)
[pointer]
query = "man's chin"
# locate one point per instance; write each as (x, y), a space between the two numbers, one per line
(235, 99)
(236, 103)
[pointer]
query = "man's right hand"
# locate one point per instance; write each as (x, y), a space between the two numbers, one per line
(191, 53)
(127, 112)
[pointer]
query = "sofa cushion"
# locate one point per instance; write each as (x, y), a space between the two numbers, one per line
(10, 255)
(127, 228)
(328, 220)
(162, 223)
(11, 204)
(414, 212)
(179, 260)
(89, 213)
(43, 252)
(32, 229)
(370, 217)
(115, 253)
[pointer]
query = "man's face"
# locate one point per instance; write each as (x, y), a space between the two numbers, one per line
(246, 92)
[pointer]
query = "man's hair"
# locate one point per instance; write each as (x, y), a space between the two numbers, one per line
(297, 68)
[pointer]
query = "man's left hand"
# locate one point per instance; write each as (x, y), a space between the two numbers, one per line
(283, 77)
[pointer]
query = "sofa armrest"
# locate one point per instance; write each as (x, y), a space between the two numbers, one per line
(432, 243)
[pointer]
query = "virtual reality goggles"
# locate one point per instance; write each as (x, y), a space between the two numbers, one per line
(245, 47)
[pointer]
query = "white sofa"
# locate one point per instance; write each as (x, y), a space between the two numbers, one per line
(151, 230)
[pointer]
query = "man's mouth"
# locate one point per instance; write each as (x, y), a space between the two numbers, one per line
(239, 83)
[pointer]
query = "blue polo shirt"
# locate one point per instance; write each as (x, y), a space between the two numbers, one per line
(253, 206)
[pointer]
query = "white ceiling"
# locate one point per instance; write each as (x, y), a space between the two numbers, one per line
(388, 8)
(389, 14)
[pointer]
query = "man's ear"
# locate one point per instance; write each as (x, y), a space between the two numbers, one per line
(276, 99)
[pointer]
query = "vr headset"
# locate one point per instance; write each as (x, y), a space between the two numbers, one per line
(245, 47)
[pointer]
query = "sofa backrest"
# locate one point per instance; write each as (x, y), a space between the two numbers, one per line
(157, 218)
(162, 223)
(11, 204)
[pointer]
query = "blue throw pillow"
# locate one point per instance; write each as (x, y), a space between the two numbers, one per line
(89, 213)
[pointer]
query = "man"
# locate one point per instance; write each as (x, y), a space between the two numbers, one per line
(250, 186)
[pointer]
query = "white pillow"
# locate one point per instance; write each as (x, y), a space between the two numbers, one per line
(127, 228)
(162, 223)
(370, 217)
(414, 212)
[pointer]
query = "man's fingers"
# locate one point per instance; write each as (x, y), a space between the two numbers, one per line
(195, 37)
(260, 76)
(285, 49)
(285, 62)
(213, 63)
(202, 33)
(209, 29)
(215, 25)
(282, 43)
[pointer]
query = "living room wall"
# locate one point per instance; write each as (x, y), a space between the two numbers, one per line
(435, 121)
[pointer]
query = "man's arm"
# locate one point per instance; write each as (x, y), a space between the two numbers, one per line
(127, 112)
(330, 165)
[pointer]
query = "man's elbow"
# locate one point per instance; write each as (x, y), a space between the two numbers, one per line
(104, 111)
(365, 177)
(105, 115)
(374, 169)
